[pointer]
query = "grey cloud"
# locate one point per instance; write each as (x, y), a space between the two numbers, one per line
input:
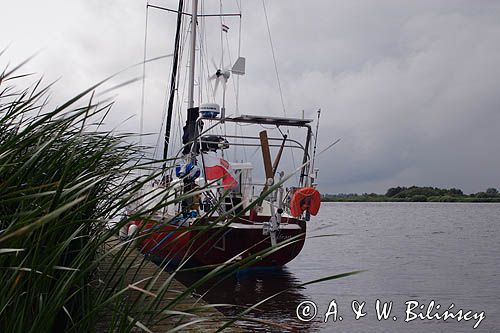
(410, 87)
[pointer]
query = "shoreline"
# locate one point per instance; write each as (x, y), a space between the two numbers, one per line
(411, 202)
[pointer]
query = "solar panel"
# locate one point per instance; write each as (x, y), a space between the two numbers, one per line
(280, 121)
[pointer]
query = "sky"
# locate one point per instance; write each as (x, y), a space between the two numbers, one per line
(410, 87)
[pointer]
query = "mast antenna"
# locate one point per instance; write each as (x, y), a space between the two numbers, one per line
(312, 171)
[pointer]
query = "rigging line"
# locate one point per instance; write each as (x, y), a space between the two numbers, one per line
(141, 121)
(274, 57)
(155, 151)
(204, 52)
(224, 85)
(203, 88)
(233, 81)
(180, 101)
(221, 37)
(230, 62)
(239, 55)
(277, 74)
(176, 84)
(200, 64)
(164, 115)
(203, 59)
(203, 64)
(189, 14)
(240, 8)
(178, 80)
(281, 132)
(201, 81)
(255, 152)
(233, 84)
(210, 88)
(210, 84)
(167, 9)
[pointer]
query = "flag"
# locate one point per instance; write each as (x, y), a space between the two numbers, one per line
(225, 28)
(219, 168)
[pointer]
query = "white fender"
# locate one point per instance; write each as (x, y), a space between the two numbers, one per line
(132, 230)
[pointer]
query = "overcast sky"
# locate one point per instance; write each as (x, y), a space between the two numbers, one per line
(411, 87)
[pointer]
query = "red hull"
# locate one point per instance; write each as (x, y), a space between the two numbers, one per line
(221, 244)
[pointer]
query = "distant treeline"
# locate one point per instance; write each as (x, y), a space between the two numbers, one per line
(417, 194)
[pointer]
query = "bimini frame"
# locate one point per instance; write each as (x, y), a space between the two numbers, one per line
(276, 121)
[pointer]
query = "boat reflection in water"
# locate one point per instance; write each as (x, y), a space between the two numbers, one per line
(251, 286)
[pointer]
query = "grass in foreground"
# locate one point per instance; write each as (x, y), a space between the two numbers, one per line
(61, 180)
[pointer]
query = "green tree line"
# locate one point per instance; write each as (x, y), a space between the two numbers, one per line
(417, 194)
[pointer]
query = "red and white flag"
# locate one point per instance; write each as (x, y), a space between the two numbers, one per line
(219, 168)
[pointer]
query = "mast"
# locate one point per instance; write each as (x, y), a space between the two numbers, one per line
(190, 129)
(173, 81)
(192, 59)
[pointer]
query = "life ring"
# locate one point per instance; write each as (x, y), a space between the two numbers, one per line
(305, 199)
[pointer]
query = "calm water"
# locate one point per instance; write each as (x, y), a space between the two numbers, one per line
(449, 253)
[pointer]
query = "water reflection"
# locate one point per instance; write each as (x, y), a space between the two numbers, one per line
(249, 287)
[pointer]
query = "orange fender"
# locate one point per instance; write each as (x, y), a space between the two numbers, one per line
(305, 199)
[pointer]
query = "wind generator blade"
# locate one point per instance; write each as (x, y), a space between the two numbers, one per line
(224, 83)
(214, 63)
(266, 157)
(216, 85)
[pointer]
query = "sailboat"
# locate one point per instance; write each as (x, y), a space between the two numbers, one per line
(222, 215)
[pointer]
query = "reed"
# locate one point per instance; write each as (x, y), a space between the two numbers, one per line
(62, 179)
